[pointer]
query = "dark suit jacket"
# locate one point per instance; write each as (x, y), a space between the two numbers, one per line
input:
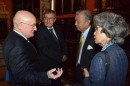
(51, 52)
(22, 63)
(87, 54)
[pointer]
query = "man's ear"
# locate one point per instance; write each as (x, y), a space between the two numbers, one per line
(89, 22)
(55, 19)
(17, 25)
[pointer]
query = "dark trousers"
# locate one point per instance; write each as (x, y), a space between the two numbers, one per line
(56, 82)
(79, 78)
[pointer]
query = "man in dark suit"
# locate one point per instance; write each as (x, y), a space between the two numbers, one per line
(21, 56)
(51, 45)
(86, 50)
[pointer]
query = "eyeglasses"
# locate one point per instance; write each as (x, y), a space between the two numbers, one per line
(33, 25)
(51, 19)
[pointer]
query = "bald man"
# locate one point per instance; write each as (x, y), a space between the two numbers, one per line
(21, 56)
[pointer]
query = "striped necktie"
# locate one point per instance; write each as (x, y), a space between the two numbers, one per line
(53, 35)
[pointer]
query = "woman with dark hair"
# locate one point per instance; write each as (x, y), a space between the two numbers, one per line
(109, 68)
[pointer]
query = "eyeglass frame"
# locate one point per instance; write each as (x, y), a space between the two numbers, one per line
(51, 19)
(33, 25)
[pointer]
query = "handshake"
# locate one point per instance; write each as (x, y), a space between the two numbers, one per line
(54, 73)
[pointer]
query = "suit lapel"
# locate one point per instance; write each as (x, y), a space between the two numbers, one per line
(25, 41)
(87, 40)
(57, 33)
(48, 34)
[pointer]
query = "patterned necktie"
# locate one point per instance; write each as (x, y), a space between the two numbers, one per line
(79, 48)
(53, 35)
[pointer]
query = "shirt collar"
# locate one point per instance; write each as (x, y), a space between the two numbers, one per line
(20, 34)
(85, 33)
(50, 28)
(107, 45)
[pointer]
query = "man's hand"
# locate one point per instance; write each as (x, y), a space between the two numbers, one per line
(64, 58)
(51, 74)
(85, 72)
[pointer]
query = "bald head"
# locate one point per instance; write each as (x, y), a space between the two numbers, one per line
(25, 23)
(22, 16)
